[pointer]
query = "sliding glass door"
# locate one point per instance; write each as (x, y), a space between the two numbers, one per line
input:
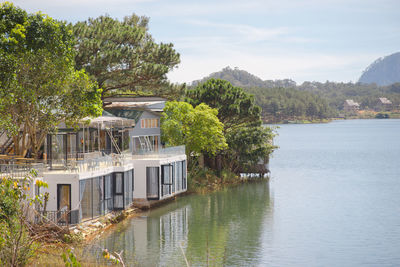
(63, 202)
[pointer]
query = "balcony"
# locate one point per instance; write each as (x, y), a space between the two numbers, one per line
(20, 171)
(89, 162)
(159, 153)
(84, 162)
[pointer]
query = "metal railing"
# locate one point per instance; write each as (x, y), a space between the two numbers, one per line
(82, 164)
(159, 153)
(86, 162)
(91, 162)
(21, 170)
(57, 217)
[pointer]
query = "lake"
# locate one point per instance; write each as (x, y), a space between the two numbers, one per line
(333, 200)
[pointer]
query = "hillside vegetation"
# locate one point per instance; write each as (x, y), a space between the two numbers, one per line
(242, 78)
(285, 100)
(281, 104)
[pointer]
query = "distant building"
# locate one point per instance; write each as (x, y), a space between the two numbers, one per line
(384, 104)
(351, 106)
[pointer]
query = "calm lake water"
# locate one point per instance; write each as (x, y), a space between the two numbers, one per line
(333, 200)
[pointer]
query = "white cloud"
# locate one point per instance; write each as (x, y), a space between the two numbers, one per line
(248, 32)
(299, 67)
(77, 3)
(269, 38)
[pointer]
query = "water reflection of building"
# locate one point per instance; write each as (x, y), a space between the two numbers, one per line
(222, 228)
(151, 240)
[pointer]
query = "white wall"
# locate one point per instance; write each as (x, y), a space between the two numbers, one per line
(140, 190)
(53, 179)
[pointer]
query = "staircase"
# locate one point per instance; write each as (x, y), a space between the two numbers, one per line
(145, 144)
(113, 141)
(6, 143)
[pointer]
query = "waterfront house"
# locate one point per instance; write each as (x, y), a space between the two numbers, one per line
(164, 168)
(350, 106)
(146, 112)
(107, 164)
(383, 104)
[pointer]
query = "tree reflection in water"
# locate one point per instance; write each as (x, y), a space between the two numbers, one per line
(222, 228)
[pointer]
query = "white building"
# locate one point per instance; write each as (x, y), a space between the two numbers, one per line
(351, 106)
(107, 164)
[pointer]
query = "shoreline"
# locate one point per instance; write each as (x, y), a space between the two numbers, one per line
(88, 231)
(355, 117)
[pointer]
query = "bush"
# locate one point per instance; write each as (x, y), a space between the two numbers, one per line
(382, 116)
(17, 246)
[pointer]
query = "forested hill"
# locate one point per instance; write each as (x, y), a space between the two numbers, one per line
(279, 99)
(284, 100)
(384, 71)
(242, 78)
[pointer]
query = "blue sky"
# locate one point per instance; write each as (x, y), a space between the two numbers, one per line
(304, 40)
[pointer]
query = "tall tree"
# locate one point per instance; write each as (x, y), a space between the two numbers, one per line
(235, 106)
(122, 55)
(248, 141)
(197, 128)
(39, 86)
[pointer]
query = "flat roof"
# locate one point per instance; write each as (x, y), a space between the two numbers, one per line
(150, 99)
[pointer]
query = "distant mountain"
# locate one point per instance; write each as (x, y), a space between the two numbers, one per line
(384, 71)
(327, 96)
(242, 78)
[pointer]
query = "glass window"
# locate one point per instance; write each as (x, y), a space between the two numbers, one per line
(127, 188)
(149, 123)
(108, 203)
(119, 201)
(184, 174)
(118, 183)
(86, 198)
(152, 182)
(97, 196)
(166, 174)
(71, 148)
(179, 175)
(133, 181)
(125, 140)
(118, 190)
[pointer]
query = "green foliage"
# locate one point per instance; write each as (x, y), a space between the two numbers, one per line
(247, 140)
(73, 238)
(16, 244)
(283, 100)
(9, 199)
(280, 104)
(117, 259)
(122, 55)
(249, 145)
(382, 116)
(365, 94)
(244, 79)
(197, 128)
(70, 259)
(235, 106)
(39, 86)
